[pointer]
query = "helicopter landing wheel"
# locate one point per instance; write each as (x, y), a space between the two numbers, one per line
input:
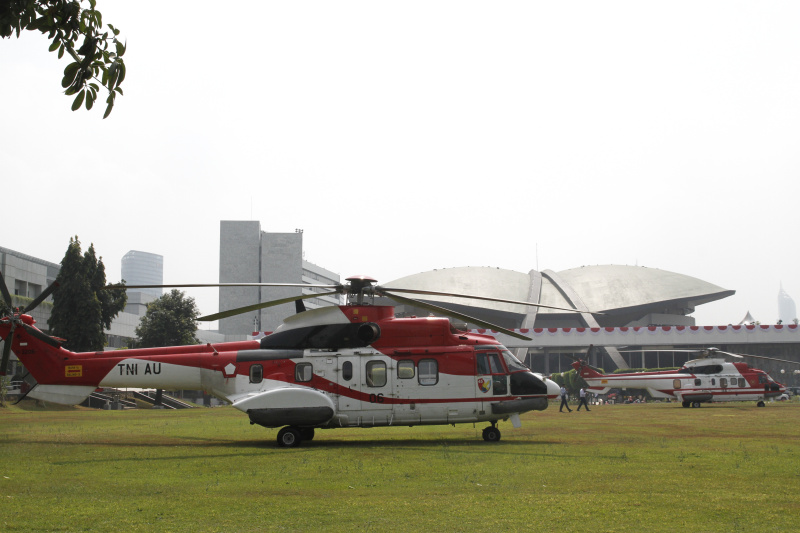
(289, 437)
(491, 434)
(687, 404)
(307, 433)
(696, 404)
(761, 404)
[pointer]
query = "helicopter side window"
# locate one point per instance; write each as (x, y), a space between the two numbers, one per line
(347, 371)
(428, 372)
(256, 374)
(303, 372)
(697, 382)
(676, 384)
(723, 382)
(376, 374)
(742, 382)
(405, 369)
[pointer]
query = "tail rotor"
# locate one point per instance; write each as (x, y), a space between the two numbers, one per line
(14, 320)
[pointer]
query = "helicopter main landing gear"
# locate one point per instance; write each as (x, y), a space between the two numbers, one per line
(491, 433)
(292, 436)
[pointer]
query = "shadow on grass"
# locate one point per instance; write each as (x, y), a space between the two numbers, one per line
(254, 448)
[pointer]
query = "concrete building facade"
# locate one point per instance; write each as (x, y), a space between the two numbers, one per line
(27, 276)
(249, 255)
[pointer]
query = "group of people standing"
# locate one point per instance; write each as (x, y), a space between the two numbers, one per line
(565, 398)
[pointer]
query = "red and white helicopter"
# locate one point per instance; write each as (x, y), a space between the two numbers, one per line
(709, 378)
(353, 365)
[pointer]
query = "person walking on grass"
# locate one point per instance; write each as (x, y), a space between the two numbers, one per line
(583, 400)
(564, 403)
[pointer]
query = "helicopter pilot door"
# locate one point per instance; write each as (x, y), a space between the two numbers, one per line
(491, 378)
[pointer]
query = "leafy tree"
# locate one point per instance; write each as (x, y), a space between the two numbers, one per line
(82, 308)
(171, 320)
(97, 59)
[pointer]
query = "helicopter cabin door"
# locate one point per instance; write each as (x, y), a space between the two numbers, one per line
(364, 383)
(349, 383)
(491, 380)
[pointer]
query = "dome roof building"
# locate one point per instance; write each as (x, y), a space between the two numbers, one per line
(626, 295)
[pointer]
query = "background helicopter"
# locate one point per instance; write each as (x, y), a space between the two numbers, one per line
(353, 365)
(709, 378)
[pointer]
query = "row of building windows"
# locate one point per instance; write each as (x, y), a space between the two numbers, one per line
(375, 372)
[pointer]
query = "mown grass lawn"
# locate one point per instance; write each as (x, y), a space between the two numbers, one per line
(653, 467)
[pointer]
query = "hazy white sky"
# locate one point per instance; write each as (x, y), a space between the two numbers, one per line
(407, 136)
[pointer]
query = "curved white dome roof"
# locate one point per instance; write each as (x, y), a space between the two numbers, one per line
(600, 288)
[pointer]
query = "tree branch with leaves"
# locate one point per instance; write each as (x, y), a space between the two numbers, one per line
(97, 60)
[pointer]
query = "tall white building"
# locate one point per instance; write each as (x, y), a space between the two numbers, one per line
(143, 268)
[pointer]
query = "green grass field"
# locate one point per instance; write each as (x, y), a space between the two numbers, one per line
(654, 467)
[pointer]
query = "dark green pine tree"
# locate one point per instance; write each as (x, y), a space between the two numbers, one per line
(82, 309)
(171, 320)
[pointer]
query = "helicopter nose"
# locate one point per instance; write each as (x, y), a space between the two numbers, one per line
(553, 390)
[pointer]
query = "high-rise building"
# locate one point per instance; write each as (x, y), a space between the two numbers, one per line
(143, 268)
(787, 311)
(249, 255)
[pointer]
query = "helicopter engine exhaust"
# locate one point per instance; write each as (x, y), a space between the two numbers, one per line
(369, 332)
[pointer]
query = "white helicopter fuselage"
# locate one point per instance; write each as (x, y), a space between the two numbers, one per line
(699, 380)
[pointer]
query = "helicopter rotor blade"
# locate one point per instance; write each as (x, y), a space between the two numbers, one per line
(474, 297)
(759, 357)
(454, 314)
(6, 351)
(44, 337)
(39, 299)
(4, 290)
(262, 305)
(201, 285)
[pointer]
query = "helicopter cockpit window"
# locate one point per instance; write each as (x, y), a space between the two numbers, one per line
(256, 374)
(483, 365)
(762, 379)
(303, 372)
(489, 363)
(405, 369)
(376, 374)
(428, 372)
(347, 371)
(513, 364)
